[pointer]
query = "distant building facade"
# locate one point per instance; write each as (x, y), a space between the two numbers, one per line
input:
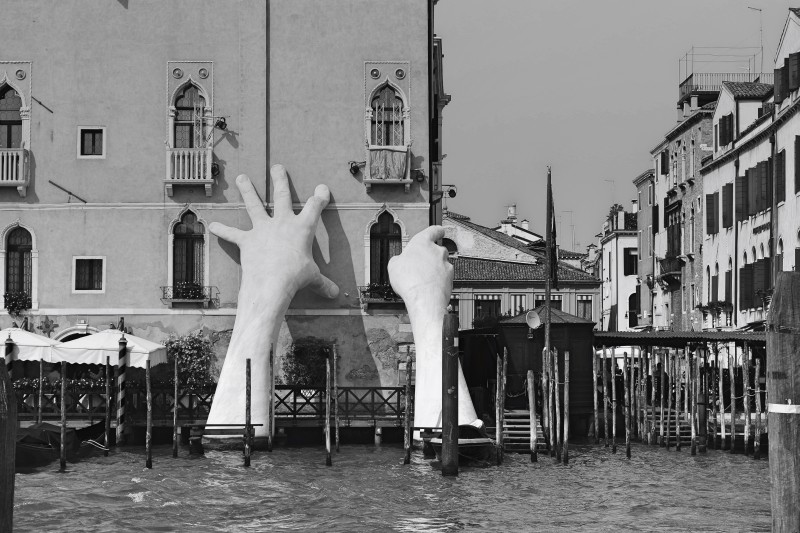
(618, 258)
(497, 275)
(645, 194)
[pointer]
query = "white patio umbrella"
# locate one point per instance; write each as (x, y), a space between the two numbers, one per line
(93, 349)
(27, 346)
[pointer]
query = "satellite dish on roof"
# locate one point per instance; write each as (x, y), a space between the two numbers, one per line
(532, 319)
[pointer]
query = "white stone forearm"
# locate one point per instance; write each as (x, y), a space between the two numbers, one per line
(426, 325)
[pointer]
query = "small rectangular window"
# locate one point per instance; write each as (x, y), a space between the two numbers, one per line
(584, 309)
(91, 143)
(88, 274)
(631, 258)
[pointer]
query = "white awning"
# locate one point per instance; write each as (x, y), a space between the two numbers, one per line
(27, 346)
(93, 349)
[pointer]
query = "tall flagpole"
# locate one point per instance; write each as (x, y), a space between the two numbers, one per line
(548, 259)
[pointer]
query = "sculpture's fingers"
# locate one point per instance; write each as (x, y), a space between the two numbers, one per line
(324, 287)
(431, 234)
(282, 196)
(227, 233)
(315, 204)
(251, 200)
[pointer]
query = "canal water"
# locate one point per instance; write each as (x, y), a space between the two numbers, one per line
(369, 489)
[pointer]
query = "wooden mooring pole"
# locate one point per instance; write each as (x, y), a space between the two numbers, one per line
(40, 399)
(566, 407)
(594, 397)
(614, 401)
(670, 363)
(678, 391)
(559, 422)
(746, 391)
(605, 395)
(335, 396)
(407, 435)
(8, 444)
(757, 438)
(532, 413)
(691, 390)
(63, 448)
(271, 394)
(107, 434)
(148, 438)
(626, 385)
(175, 412)
(702, 402)
(122, 368)
(663, 360)
(551, 404)
(450, 397)
(503, 380)
(328, 461)
(783, 387)
(545, 398)
(732, 374)
(498, 408)
(721, 404)
(653, 366)
(248, 428)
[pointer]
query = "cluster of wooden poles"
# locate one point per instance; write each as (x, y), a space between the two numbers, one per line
(555, 408)
(662, 388)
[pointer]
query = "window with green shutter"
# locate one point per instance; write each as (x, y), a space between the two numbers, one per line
(781, 176)
(727, 205)
(741, 198)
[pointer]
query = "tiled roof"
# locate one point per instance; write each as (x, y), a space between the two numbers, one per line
(474, 269)
(559, 317)
(568, 254)
(454, 215)
(710, 106)
(749, 90)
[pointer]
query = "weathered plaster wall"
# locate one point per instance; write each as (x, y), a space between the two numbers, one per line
(473, 244)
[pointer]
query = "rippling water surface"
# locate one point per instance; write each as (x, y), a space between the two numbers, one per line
(369, 489)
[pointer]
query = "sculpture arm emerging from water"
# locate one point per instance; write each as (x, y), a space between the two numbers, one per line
(276, 263)
(423, 277)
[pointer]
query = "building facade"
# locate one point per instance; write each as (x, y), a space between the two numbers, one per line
(676, 218)
(618, 257)
(115, 158)
(645, 194)
(497, 275)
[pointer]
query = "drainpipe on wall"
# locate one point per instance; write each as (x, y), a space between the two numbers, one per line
(735, 273)
(431, 117)
(773, 227)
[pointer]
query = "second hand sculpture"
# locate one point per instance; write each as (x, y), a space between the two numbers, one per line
(277, 262)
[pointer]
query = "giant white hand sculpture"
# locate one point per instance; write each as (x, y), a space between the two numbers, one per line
(276, 263)
(423, 277)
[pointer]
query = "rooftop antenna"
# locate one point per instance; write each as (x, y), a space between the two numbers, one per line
(761, 33)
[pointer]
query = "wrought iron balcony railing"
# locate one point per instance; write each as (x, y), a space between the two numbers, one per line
(670, 265)
(190, 293)
(376, 293)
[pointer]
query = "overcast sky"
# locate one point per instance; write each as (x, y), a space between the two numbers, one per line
(587, 87)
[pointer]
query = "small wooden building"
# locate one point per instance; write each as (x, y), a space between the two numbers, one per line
(568, 332)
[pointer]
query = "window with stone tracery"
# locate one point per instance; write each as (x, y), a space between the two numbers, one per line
(387, 118)
(10, 118)
(189, 111)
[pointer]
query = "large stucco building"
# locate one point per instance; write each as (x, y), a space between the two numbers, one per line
(124, 125)
(618, 268)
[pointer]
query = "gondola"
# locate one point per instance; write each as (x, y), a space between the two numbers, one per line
(474, 447)
(40, 443)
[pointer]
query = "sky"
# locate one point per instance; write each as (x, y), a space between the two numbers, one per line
(587, 87)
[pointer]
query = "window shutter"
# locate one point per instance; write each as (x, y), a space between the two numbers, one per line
(714, 288)
(797, 164)
(752, 190)
(724, 131)
(763, 185)
(665, 162)
(728, 286)
(777, 86)
(741, 198)
(727, 205)
(759, 276)
(781, 176)
(729, 129)
(709, 214)
(770, 183)
(716, 212)
(785, 79)
(779, 261)
(794, 71)
(655, 219)
(744, 282)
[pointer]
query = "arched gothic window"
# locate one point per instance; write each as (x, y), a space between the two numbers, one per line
(188, 253)
(387, 118)
(18, 262)
(385, 241)
(189, 111)
(10, 118)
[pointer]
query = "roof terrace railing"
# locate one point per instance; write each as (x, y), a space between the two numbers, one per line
(712, 81)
